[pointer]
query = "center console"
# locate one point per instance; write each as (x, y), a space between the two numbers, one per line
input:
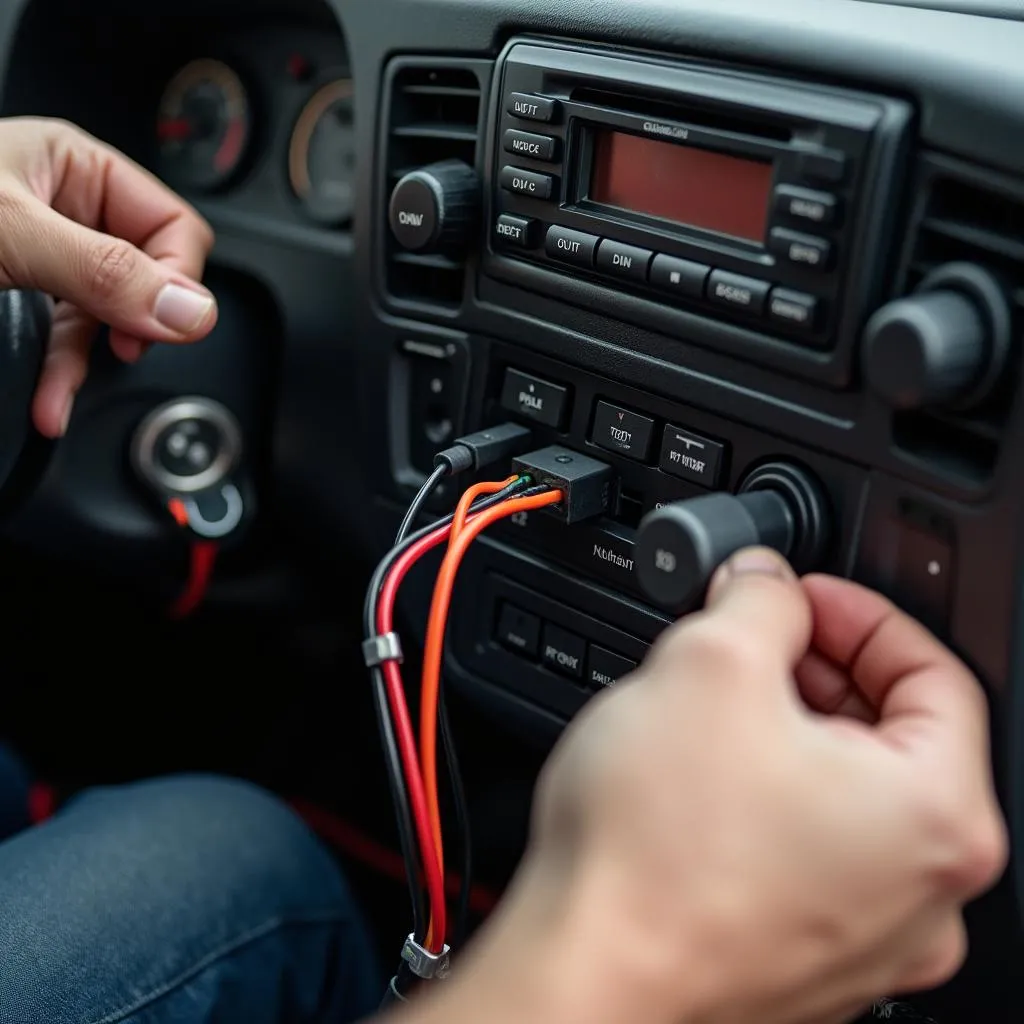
(762, 302)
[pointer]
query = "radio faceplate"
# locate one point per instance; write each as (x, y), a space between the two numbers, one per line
(750, 214)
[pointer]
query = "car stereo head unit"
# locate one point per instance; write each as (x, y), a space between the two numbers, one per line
(757, 204)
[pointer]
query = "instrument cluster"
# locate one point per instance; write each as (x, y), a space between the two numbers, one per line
(265, 121)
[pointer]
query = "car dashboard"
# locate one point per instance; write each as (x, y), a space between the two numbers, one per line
(438, 216)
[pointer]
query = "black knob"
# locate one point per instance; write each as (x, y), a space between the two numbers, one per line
(679, 546)
(435, 208)
(944, 345)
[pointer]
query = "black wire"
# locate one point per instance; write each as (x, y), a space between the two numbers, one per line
(462, 825)
(392, 757)
(400, 799)
(412, 513)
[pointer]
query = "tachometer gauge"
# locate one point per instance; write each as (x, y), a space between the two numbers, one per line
(204, 126)
(321, 157)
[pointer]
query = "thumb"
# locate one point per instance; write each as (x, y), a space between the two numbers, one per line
(758, 599)
(105, 276)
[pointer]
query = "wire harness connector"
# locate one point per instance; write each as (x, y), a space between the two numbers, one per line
(424, 964)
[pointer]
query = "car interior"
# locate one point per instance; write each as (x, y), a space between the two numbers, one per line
(678, 276)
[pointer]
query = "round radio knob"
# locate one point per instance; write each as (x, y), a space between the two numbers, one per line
(435, 208)
(679, 546)
(944, 345)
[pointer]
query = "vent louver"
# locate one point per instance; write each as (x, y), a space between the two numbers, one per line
(433, 115)
(964, 215)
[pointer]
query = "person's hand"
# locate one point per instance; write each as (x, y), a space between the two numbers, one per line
(84, 224)
(778, 818)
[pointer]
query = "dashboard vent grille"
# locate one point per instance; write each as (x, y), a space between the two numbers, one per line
(967, 215)
(434, 115)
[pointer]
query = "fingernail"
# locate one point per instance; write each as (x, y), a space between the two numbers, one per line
(759, 562)
(66, 417)
(182, 309)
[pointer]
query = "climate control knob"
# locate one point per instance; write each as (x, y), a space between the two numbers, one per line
(680, 545)
(944, 345)
(434, 209)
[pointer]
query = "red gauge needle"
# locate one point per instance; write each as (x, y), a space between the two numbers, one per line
(174, 129)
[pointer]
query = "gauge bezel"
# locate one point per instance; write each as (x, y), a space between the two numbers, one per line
(238, 96)
(315, 106)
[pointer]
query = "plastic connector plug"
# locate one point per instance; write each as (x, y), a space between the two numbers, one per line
(587, 485)
(484, 448)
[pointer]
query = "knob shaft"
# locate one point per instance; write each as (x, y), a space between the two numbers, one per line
(434, 209)
(944, 345)
(679, 546)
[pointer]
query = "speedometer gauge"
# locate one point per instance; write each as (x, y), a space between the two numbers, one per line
(321, 157)
(203, 126)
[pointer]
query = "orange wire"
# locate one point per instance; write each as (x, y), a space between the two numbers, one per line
(434, 646)
(467, 499)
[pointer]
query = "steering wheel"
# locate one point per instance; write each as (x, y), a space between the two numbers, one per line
(24, 329)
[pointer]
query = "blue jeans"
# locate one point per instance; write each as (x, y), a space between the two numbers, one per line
(188, 900)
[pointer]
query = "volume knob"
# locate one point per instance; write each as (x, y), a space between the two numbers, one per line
(943, 345)
(434, 209)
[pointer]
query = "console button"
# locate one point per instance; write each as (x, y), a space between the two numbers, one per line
(518, 630)
(737, 292)
(680, 277)
(823, 165)
(527, 183)
(623, 260)
(605, 668)
(620, 430)
(534, 398)
(563, 652)
(806, 206)
(517, 231)
(793, 309)
(532, 108)
(803, 250)
(570, 246)
(606, 552)
(539, 147)
(691, 456)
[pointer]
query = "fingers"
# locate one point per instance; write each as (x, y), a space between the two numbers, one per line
(756, 597)
(918, 686)
(755, 627)
(64, 369)
(829, 690)
(105, 276)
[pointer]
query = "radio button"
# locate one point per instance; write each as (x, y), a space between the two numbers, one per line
(563, 652)
(801, 204)
(680, 277)
(691, 456)
(802, 250)
(518, 231)
(539, 147)
(737, 292)
(623, 260)
(793, 309)
(623, 431)
(532, 108)
(823, 165)
(527, 183)
(570, 246)
(534, 398)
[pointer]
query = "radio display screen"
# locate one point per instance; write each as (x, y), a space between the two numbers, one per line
(689, 186)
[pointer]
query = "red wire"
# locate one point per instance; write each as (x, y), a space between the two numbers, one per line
(202, 556)
(406, 738)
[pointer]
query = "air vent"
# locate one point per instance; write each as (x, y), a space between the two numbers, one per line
(967, 215)
(433, 115)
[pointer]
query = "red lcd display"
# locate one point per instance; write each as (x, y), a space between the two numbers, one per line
(689, 186)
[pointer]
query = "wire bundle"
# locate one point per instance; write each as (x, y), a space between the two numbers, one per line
(412, 766)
